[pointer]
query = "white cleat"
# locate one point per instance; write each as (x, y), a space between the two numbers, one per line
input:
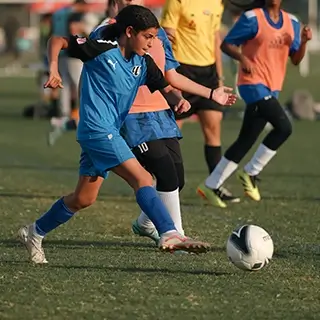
(33, 243)
(176, 242)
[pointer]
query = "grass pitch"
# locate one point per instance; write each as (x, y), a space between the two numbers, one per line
(99, 270)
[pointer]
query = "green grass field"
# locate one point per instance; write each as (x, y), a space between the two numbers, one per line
(99, 270)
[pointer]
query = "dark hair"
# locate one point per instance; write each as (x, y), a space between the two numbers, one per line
(238, 5)
(138, 17)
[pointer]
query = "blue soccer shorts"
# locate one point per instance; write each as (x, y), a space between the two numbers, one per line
(100, 155)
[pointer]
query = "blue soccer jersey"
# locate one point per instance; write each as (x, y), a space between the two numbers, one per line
(109, 85)
(246, 28)
(148, 126)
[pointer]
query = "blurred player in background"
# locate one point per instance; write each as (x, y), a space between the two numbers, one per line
(267, 37)
(64, 22)
(78, 24)
(193, 27)
(50, 96)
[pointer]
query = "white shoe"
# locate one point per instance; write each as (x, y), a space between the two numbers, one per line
(176, 242)
(33, 244)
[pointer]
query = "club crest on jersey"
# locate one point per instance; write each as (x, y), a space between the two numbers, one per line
(136, 70)
(81, 40)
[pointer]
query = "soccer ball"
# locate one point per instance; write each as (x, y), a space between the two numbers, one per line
(250, 248)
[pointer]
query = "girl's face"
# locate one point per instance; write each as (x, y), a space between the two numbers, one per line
(141, 42)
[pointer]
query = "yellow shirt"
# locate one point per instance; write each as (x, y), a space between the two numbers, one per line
(195, 23)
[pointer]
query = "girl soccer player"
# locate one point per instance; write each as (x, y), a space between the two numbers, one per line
(267, 37)
(111, 76)
(151, 132)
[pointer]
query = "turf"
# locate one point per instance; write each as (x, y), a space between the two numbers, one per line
(99, 270)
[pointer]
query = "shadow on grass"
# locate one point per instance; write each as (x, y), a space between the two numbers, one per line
(145, 270)
(34, 195)
(9, 243)
(119, 269)
(299, 252)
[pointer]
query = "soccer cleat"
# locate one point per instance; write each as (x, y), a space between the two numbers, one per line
(151, 233)
(175, 243)
(227, 196)
(249, 185)
(53, 136)
(214, 197)
(57, 125)
(33, 244)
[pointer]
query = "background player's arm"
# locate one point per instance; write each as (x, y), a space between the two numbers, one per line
(243, 30)
(299, 44)
(183, 83)
(218, 55)
(170, 17)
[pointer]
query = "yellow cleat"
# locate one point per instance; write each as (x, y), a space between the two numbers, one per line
(249, 185)
(214, 197)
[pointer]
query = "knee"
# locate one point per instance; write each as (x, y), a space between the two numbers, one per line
(285, 130)
(144, 179)
(180, 174)
(79, 201)
(239, 149)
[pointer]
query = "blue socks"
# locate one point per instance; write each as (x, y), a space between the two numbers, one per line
(147, 198)
(53, 218)
(152, 206)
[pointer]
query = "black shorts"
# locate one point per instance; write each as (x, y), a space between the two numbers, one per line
(162, 158)
(208, 77)
(149, 152)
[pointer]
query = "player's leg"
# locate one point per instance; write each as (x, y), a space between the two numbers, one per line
(272, 111)
(147, 197)
(252, 125)
(150, 203)
(162, 158)
(210, 121)
(65, 94)
(75, 69)
(60, 212)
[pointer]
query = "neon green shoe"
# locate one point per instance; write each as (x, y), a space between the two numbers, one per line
(144, 232)
(213, 196)
(249, 185)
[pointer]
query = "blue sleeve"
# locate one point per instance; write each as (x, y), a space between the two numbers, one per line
(171, 62)
(96, 33)
(297, 38)
(60, 22)
(245, 28)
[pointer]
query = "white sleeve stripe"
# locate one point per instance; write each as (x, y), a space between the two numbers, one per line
(250, 14)
(114, 43)
(292, 17)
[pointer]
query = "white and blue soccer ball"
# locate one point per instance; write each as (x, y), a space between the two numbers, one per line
(250, 248)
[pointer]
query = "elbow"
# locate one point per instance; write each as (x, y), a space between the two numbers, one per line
(171, 77)
(61, 40)
(223, 46)
(295, 60)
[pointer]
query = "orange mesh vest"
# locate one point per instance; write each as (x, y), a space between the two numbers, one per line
(269, 51)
